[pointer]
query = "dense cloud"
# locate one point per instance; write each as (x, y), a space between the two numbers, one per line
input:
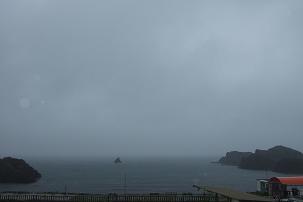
(107, 78)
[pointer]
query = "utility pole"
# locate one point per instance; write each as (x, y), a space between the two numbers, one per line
(124, 183)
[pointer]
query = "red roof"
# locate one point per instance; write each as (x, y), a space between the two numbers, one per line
(288, 180)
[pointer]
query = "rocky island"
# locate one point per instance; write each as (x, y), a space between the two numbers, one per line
(14, 170)
(278, 159)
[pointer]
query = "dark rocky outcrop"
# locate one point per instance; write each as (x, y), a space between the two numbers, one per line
(279, 159)
(17, 171)
(118, 160)
(290, 166)
(233, 158)
(256, 162)
(280, 152)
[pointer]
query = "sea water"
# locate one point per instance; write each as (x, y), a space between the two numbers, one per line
(136, 175)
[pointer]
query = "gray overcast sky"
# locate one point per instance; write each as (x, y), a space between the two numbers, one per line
(107, 78)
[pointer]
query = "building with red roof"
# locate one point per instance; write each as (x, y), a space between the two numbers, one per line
(295, 181)
(284, 187)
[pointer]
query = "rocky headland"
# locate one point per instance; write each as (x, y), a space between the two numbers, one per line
(278, 159)
(233, 158)
(14, 170)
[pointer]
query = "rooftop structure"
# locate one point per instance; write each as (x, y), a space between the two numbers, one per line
(295, 181)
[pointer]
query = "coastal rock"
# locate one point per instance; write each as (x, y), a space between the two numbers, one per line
(14, 170)
(289, 166)
(280, 152)
(233, 158)
(118, 160)
(257, 162)
(278, 159)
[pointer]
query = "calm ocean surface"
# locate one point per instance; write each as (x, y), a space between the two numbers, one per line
(140, 175)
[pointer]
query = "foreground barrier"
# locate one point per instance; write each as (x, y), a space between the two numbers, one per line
(55, 197)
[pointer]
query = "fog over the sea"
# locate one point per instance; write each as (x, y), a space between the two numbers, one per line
(149, 78)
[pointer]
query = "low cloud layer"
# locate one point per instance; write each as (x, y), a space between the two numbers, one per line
(138, 78)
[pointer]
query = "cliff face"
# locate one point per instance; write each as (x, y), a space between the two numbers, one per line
(290, 166)
(280, 152)
(17, 171)
(279, 159)
(233, 158)
(256, 162)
